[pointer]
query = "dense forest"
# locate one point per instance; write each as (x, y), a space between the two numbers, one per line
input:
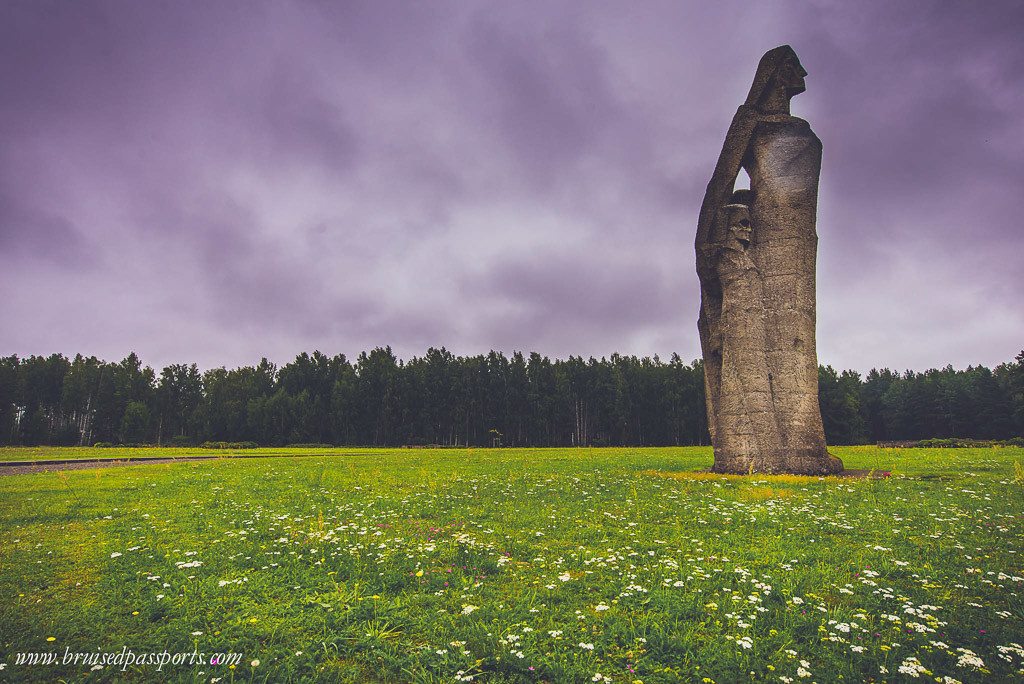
(485, 400)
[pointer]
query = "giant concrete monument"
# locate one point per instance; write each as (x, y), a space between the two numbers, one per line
(756, 252)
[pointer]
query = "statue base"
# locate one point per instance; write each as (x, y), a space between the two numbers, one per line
(779, 464)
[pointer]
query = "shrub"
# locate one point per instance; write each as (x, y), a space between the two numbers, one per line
(958, 443)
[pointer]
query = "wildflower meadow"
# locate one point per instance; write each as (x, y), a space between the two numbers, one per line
(513, 565)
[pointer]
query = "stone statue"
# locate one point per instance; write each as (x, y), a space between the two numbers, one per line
(756, 252)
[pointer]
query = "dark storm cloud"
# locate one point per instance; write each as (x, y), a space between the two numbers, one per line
(222, 181)
(299, 128)
(921, 129)
(33, 235)
(930, 101)
(548, 94)
(565, 291)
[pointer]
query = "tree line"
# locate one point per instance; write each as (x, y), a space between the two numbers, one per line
(483, 400)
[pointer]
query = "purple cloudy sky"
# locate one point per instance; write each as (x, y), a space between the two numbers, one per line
(213, 182)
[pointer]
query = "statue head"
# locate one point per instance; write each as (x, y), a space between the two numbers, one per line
(738, 224)
(732, 227)
(779, 77)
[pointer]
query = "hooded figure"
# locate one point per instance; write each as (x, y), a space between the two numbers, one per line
(756, 252)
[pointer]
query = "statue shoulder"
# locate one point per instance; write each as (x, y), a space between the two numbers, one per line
(779, 117)
(778, 123)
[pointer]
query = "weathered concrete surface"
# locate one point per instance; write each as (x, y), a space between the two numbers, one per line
(756, 259)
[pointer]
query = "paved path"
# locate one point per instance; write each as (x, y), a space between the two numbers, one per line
(56, 464)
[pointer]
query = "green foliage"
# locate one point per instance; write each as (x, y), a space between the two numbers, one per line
(484, 400)
(229, 445)
(136, 422)
(950, 443)
(841, 414)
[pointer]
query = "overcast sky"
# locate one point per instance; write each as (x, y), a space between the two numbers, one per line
(214, 182)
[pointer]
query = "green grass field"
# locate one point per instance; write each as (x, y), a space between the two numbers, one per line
(550, 565)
